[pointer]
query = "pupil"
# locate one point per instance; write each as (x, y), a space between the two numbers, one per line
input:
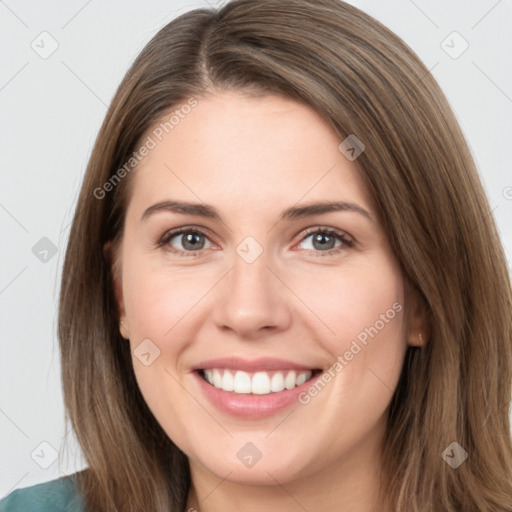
(320, 239)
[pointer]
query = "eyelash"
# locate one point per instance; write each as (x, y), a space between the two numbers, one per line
(346, 241)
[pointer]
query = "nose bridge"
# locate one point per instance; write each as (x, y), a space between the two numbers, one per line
(251, 297)
(250, 261)
(250, 274)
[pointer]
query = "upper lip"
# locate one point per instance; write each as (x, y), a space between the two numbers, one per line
(261, 364)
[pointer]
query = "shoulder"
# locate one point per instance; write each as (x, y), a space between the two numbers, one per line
(58, 495)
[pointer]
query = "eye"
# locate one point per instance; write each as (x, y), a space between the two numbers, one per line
(192, 241)
(326, 241)
(185, 240)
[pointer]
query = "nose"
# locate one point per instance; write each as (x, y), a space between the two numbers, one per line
(251, 300)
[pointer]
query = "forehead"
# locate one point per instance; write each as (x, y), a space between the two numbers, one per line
(251, 152)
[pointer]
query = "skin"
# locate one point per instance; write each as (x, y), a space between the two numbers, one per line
(251, 158)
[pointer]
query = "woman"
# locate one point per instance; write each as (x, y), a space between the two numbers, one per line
(283, 288)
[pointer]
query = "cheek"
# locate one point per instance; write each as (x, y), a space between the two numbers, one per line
(157, 300)
(363, 309)
(362, 327)
(352, 300)
(159, 307)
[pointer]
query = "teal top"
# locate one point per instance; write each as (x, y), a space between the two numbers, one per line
(58, 495)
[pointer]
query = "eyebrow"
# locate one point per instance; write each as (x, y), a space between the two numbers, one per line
(291, 213)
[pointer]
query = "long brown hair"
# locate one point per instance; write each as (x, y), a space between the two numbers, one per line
(363, 80)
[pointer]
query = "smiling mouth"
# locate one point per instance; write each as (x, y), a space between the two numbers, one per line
(256, 383)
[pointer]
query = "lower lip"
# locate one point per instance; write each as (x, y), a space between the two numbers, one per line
(248, 405)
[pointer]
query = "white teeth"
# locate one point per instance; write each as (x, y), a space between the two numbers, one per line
(289, 381)
(228, 382)
(242, 383)
(277, 382)
(217, 379)
(301, 378)
(259, 383)
(208, 374)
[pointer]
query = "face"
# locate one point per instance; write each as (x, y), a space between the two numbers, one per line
(267, 335)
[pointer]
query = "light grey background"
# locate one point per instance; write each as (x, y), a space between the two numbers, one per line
(51, 110)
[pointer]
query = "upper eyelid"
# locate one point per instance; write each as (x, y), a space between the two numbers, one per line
(171, 233)
(339, 232)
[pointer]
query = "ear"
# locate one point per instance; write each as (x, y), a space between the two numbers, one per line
(418, 328)
(115, 271)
